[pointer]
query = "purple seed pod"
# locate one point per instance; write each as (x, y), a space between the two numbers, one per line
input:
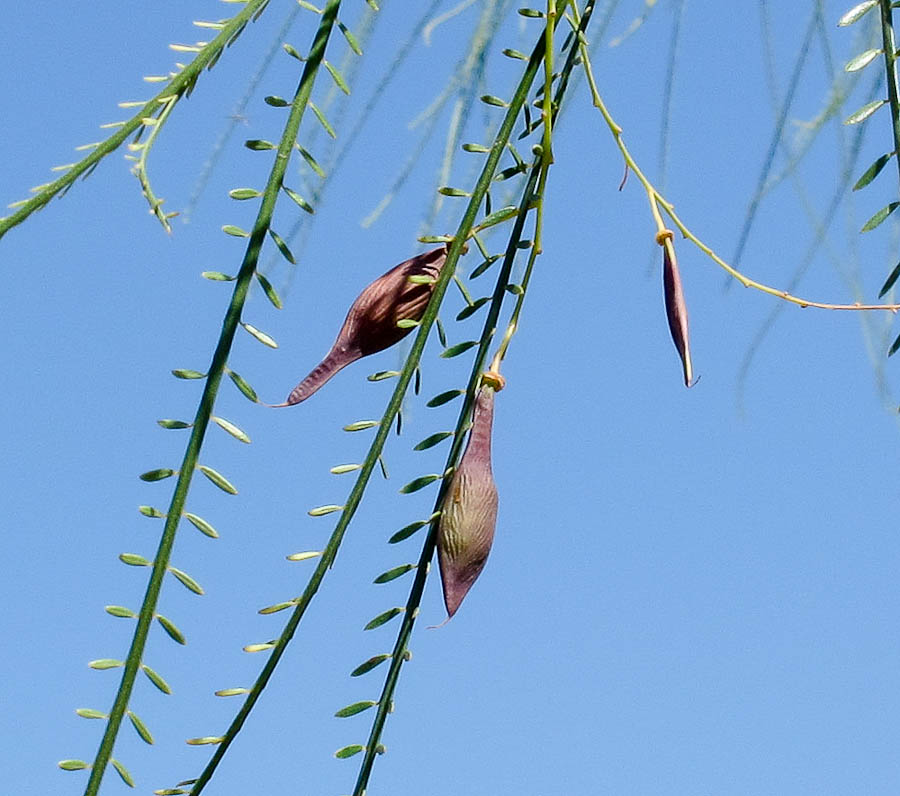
(469, 511)
(371, 324)
(676, 308)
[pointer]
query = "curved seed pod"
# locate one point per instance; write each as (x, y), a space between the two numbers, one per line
(676, 308)
(469, 511)
(371, 324)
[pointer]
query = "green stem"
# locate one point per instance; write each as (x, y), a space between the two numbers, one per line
(330, 552)
(398, 655)
(183, 82)
(207, 400)
(890, 69)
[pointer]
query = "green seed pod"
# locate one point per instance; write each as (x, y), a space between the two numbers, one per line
(469, 511)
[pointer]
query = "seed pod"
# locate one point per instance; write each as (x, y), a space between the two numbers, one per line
(676, 308)
(371, 324)
(469, 511)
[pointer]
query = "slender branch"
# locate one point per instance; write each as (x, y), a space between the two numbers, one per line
(330, 551)
(890, 70)
(207, 400)
(183, 82)
(657, 200)
(398, 655)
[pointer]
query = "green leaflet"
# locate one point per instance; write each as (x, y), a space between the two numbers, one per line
(393, 574)
(367, 666)
(356, 707)
(879, 217)
(383, 618)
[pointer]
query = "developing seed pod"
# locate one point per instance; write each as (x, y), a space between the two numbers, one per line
(676, 308)
(469, 511)
(371, 324)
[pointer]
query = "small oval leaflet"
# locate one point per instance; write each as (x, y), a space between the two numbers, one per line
(243, 386)
(274, 609)
(282, 247)
(170, 627)
(218, 479)
(235, 231)
(217, 276)
(383, 374)
(186, 580)
(187, 373)
(133, 560)
(348, 751)
(873, 171)
(862, 60)
(90, 713)
(120, 611)
(480, 269)
(72, 765)
(299, 200)
(476, 148)
(122, 772)
(276, 102)
(106, 663)
(459, 348)
(140, 728)
(498, 216)
(441, 398)
(856, 12)
(432, 440)
(304, 556)
(340, 469)
(201, 525)
(338, 78)
(266, 645)
(257, 144)
(407, 323)
(472, 308)
(149, 511)
(367, 666)
(889, 282)
(490, 99)
(880, 216)
(227, 692)
(321, 511)
(205, 740)
(232, 429)
(446, 190)
(157, 475)
(356, 707)
(419, 483)
(154, 678)
(270, 291)
(383, 618)
(406, 531)
(166, 423)
(393, 574)
(361, 425)
(864, 112)
(244, 193)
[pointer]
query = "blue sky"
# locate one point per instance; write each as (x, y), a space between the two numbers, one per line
(690, 591)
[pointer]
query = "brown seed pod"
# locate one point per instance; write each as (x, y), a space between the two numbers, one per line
(676, 308)
(371, 324)
(469, 511)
